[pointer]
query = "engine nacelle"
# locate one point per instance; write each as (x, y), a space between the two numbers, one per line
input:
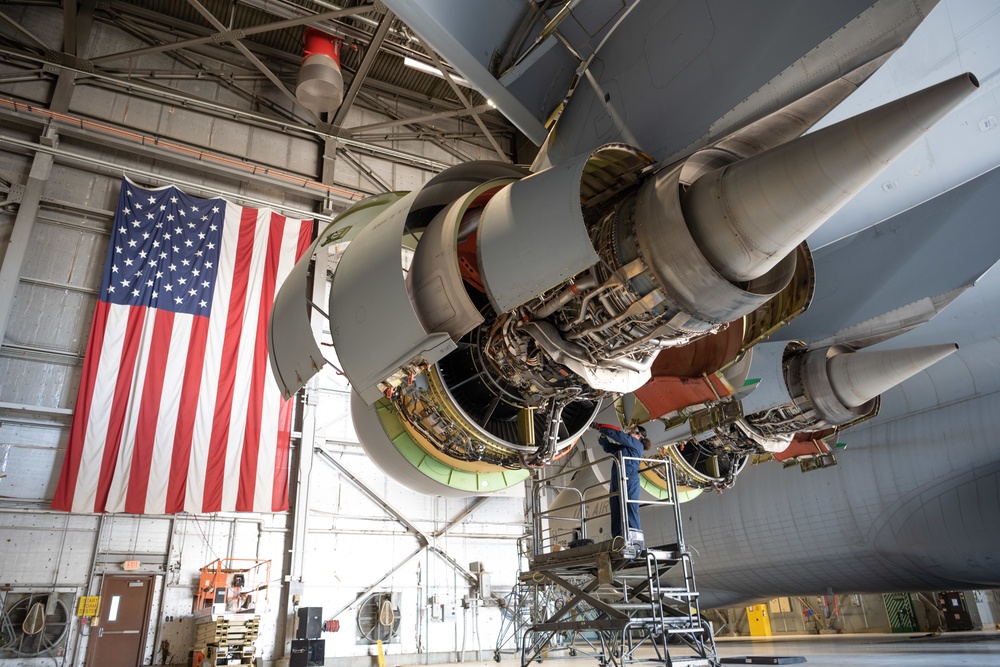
(788, 391)
(531, 299)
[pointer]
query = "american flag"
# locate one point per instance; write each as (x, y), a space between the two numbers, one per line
(178, 409)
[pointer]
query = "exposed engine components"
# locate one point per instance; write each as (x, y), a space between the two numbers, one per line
(533, 298)
(789, 391)
(834, 386)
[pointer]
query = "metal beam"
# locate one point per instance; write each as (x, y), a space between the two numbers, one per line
(24, 31)
(17, 350)
(233, 35)
(465, 102)
(364, 170)
(221, 74)
(60, 286)
(375, 89)
(378, 583)
(199, 69)
(69, 28)
(102, 166)
(241, 47)
(418, 135)
(160, 93)
(468, 576)
(152, 29)
(328, 169)
(20, 408)
(464, 514)
(298, 501)
(381, 107)
(332, 145)
(375, 498)
(127, 9)
(366, 64)
(482, 108)
(425, 540)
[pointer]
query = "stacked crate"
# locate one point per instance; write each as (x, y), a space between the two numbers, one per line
(227, 639)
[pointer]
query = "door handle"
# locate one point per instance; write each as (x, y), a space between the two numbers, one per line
(100, 632)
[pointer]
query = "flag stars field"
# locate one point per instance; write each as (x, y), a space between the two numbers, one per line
(141, 236)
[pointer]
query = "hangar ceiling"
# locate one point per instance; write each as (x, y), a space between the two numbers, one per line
(239, 44)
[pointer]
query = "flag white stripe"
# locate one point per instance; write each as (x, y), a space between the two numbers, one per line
(85, 494)
(214, 347)
(245, 356)
(120, 479)
(166, 422)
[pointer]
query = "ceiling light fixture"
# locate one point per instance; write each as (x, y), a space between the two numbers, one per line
(428, 69)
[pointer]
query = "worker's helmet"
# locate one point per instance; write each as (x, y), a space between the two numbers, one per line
(642, 436)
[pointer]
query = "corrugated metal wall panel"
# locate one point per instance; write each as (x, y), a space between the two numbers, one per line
(26, 470)
(46, 550)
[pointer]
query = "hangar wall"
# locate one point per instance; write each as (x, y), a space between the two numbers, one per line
(65, 140)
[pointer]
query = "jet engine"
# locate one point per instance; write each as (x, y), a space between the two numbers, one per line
(787, 392)
(533, 298)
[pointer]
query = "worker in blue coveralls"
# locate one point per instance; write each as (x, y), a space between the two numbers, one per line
(619, 443)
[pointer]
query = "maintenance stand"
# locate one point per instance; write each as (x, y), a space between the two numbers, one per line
(607, 600)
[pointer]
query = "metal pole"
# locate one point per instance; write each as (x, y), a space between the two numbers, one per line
(163, 588)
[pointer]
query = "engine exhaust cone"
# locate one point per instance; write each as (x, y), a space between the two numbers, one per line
(747, 216)
(859, 377)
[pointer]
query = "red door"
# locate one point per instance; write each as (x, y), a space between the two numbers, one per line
(119, 635)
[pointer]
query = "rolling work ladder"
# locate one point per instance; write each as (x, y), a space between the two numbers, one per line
(608, 600)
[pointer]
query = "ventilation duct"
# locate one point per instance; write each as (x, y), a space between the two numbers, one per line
(320, 86)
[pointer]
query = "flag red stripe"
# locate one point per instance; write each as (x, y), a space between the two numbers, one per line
(149, 410)
(216, 468)
(251, 437)
(184, 433)
(63, 499)
(305, 238)
(120, 403)
(279, 492)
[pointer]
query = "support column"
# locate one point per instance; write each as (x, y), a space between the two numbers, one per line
(24, 222)
(77, 24)
(293, 568)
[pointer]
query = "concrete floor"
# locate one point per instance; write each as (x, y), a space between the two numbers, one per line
(958, 649)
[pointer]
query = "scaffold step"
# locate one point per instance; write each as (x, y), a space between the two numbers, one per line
(694, 661)
(684, 628)
(764, 660)
(676, 592)
(631, 606)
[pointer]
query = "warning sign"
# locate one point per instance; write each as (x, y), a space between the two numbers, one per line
(88, 605)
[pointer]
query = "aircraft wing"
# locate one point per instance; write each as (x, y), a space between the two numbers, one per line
(898, 274)
(668, 77)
